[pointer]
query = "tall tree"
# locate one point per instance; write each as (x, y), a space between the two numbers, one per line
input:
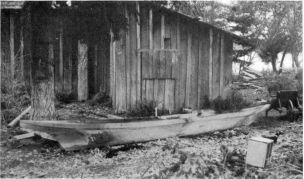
(42, 74)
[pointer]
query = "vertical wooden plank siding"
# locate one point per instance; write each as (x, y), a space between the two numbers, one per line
(210, 63)
(128, 63)
(215, 65)
(200, 77)
(228, 60)
(188, 79)
(133, 59)
(178, 99)
(144, 44)
(205, 62)
(138, 64)
(150, 28)
(61, 80)
(194, 68)
(162, 27)
(222, 63)
(12, 45)
(183, 62)
(175, 61)
(121, 71)
(157, 44)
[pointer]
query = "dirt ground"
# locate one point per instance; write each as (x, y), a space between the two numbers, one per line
(194, 156)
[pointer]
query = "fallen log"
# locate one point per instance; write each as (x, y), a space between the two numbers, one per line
(17, 119)
(23, 136)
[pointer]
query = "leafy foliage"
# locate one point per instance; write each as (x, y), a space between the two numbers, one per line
(145, 108)
(289, 80)
(232, 103)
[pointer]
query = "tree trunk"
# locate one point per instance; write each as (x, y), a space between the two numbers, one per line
(282, 60)
(82, 71)
(295, 58)
(42, 75)
(273, 63)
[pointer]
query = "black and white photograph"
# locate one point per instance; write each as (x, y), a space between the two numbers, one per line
(175, 89)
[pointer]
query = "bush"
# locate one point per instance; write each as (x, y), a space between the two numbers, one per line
(289, 80)
(64, 97)
(232, 103)
(145, 108)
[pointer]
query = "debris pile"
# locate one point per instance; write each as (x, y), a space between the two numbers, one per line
(250, 79)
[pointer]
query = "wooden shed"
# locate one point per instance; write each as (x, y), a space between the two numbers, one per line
(163, 56)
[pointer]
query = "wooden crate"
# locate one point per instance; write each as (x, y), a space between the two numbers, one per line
(259, 151)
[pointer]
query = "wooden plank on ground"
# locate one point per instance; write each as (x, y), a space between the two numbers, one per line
(23, 136)
(17, 119)
(82, 71)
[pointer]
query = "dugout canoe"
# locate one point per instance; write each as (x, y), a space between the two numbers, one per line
(90, 132)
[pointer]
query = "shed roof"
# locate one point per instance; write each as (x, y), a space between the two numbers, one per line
(12, 4)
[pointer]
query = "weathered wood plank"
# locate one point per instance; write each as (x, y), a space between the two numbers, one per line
(161, 94)
(204, 63)
(162, 27)
(144, 42)
(222, 48)
(194, 68)
(121, 71)
(157, 44)
(23, 136)
(177, 63)
(17, 119)
(150, 90)
(138, 64)
(150, 27)
(61, 65)
(82, 71)
(215, 65)
(183, 62)
(128, 63)
(166, 38)
(143, 96)
(188, 82)
(228, 60)
(169, 94)
(210, 63)
(133, 60)
(200, 77)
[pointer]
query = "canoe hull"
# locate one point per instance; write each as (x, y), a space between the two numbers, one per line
(82, 135)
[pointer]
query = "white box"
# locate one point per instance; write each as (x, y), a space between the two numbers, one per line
(259, 151)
